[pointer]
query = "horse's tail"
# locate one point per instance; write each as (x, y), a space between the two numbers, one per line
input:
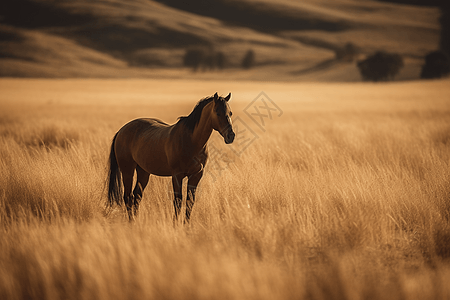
(114, 178)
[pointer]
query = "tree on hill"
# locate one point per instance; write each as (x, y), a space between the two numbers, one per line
(437, 65)
(204, 58)
(380, 66)
(249, 60)
(193, 58)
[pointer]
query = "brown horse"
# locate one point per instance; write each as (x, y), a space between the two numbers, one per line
(151, 146)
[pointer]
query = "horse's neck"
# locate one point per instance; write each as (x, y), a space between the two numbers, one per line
(204, 129)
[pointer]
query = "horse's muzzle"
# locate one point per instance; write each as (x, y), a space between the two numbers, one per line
(229, 137)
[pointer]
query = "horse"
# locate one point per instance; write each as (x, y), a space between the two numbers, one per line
(151, 146)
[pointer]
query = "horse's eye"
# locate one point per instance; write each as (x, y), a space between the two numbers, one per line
(231, 114)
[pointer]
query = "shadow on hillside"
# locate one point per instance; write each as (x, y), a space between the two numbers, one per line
(31, 15)
(119, 39)
(116, 38)
(262, 17)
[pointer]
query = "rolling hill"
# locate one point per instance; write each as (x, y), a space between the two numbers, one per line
(292, 40)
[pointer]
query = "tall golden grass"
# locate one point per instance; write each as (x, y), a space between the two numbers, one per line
(345, 196)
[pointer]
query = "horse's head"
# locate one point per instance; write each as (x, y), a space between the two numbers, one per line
(221, 118)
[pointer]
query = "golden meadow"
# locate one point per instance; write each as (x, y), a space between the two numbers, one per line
(346, 195)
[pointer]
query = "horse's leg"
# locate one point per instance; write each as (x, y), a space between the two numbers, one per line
(141, 183)
(127, 178)
(191, 190)
(177, 183)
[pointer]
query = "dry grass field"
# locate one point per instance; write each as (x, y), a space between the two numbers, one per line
(346, 195)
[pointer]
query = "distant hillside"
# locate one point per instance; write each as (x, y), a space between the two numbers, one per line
(138, 38)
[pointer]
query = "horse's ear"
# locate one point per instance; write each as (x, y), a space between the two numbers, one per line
(216, 97)
(227, 98)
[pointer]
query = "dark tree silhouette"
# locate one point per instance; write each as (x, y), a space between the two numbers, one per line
(193, 58)
(221, 60)
(249, 60)
(437, 65)
(380, 66)
(204, 58)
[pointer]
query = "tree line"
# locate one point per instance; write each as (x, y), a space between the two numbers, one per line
(208, 59)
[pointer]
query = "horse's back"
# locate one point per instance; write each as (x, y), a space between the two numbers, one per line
(153, 122)
(143, 128)
(146, 123)
(142, 141)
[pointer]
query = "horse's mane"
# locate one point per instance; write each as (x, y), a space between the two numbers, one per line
(194, 117)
